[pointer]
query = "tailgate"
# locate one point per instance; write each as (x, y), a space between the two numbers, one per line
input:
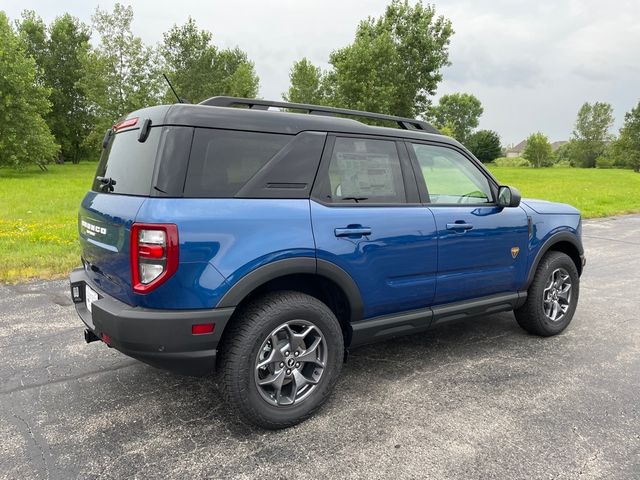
(104, 224)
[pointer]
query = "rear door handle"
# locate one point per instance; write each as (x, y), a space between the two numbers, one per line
(352, 231)
(459, 226)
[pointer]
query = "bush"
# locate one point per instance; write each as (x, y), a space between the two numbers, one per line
(605, 162)
(511, 162)
(563, 163)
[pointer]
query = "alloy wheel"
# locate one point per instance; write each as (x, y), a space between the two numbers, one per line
(290, 363)
(556, 297)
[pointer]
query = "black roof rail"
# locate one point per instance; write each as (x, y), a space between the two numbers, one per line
(404, 123)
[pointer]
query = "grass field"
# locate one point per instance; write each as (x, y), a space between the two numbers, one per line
(38, 211)
(38, 220)
(596, 192)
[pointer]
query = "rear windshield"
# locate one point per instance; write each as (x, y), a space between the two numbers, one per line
(128, 163)
(222, 161)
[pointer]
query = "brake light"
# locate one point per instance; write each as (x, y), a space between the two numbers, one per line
(125, 124)
(154, 255)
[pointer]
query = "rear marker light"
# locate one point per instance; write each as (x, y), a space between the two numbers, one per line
(154, 255)
(202, 328)
(106, 339)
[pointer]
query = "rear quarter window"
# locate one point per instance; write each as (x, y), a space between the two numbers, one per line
(129, 163)
(222, 161)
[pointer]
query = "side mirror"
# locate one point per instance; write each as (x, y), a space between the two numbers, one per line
(508, 196)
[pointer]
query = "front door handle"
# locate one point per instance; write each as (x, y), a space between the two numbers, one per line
(356, 231)
(459, 226)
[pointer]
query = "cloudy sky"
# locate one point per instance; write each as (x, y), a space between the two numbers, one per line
(531, 63)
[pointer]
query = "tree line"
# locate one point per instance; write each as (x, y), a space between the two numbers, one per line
(60, 93)
(591, 143)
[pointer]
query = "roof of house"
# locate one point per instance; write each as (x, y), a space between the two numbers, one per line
(519, 148)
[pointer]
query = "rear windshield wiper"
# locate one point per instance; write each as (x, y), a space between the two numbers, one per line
(356, 199)
(107, 183)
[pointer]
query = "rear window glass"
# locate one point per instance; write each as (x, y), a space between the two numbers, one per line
(128, 163)
(222, 161)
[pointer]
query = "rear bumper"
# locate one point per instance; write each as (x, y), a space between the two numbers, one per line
(161, 338)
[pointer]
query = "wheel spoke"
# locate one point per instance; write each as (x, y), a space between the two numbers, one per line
(274, 356)
(310, 355)
(299, 382)
(296, 340)
(565, 293)
(274, 380)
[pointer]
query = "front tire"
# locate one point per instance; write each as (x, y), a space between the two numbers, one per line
(552, 297)
(281, 358)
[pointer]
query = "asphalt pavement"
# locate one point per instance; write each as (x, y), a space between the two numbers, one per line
(475, 399)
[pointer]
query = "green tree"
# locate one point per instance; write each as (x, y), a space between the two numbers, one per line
(198, 70)
(69, 119)
(627, 147)
(538, 150)
(485, 145)
(306, 84)
(235, 74)
(591, 133)
(33, 33)
(565, 154)
(460, 112)
(393, 65)
(24, 135)
(58, 52)
(121, 73)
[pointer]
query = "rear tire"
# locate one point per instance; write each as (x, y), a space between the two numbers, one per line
(552, 297)
(281, 358)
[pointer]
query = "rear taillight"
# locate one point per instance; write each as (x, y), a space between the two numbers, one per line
(154, 255)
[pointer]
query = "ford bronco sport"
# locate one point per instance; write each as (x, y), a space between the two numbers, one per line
(266, 243)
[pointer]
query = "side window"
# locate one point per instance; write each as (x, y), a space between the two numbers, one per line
(222, 161)
(365, 171)
(451, 177)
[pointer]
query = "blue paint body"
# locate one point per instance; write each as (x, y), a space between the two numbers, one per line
(410, 260)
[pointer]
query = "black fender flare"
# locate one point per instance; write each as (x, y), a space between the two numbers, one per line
(290, 266)
(564, 236)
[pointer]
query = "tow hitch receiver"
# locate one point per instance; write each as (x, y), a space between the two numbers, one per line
(89, 336)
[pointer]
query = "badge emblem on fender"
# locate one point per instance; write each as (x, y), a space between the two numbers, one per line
(515, 251)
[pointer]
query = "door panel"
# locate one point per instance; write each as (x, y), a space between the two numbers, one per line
(479, 261)
(367, 219)
(390, 252)
(481, 247)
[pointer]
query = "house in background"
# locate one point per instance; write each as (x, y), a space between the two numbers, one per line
(558, 144)
(516, 151)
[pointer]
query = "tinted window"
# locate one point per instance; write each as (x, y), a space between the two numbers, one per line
(365, 171)
(129, 163)
(222, 161)
(451, 177)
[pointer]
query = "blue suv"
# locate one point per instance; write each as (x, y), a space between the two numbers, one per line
(265, 239)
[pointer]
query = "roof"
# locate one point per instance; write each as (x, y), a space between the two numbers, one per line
(558, 144)
(271, 121)
(519, 148)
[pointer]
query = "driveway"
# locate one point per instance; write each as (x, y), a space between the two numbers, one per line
(476, 399)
